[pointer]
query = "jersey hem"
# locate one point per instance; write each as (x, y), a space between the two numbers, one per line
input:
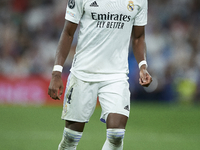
(99, 77)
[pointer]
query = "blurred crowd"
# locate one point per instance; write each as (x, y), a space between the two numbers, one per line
(30, 30)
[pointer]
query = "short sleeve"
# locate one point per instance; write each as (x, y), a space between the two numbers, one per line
(74, 10)
(141, 17)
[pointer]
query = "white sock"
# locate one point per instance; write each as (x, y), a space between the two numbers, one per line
(114, 139)
(70, 139)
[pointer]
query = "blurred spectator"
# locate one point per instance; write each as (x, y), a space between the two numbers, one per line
(30, 29)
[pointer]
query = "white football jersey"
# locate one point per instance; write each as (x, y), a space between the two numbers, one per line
(105, 31)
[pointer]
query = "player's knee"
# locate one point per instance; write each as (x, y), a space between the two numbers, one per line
(115, 136)
(70, 139)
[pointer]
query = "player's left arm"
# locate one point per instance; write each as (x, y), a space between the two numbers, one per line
(139, 50)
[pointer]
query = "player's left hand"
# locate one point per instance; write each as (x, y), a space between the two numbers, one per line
(145, 78)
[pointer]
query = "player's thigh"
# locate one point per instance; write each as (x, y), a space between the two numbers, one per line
(114, 97)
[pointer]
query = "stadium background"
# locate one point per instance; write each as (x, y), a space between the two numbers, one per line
(29, 33)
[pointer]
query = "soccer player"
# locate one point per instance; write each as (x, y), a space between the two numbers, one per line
(100, 66)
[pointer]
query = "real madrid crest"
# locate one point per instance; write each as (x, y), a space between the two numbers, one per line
(71, 3)
(65, 108)
(130, 6)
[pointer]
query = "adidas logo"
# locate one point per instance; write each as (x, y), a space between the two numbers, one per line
(126, 107)
(94, 4)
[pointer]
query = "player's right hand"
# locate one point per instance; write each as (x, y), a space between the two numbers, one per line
(56, 86)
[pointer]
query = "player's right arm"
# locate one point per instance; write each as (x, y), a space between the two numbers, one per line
(56, 85)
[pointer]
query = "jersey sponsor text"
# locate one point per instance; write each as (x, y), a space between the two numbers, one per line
(110, 20)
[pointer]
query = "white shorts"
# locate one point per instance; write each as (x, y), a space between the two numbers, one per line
(81, 98)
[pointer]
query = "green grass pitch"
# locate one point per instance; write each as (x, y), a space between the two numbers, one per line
(150, 127)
